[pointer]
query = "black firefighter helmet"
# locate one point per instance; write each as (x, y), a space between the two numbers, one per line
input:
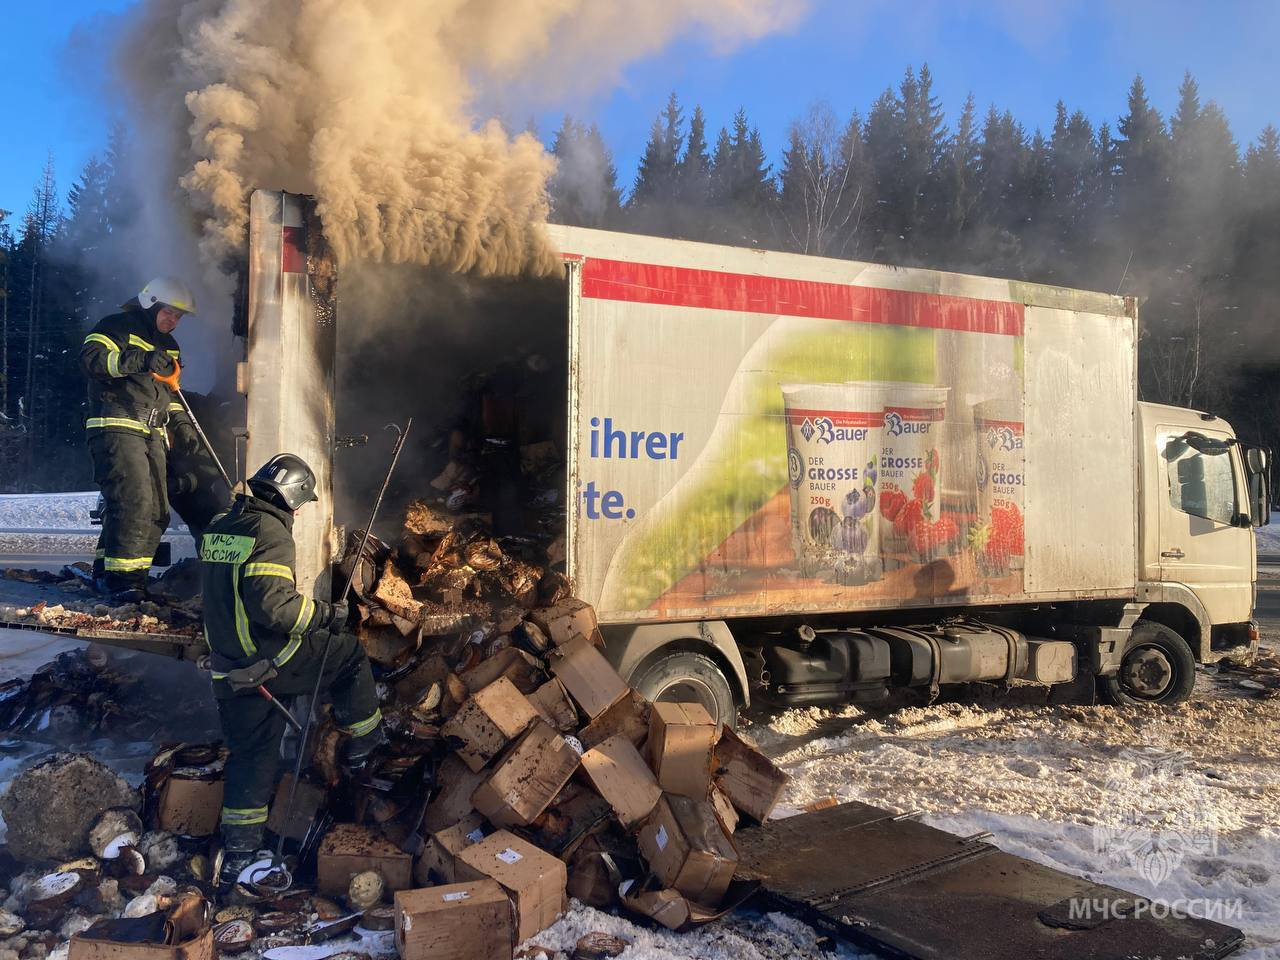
(285, 480)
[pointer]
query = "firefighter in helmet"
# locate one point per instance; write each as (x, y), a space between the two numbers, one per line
(133, 362)
(262, 631)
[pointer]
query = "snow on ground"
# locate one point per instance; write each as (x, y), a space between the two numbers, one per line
(746, 935)
(46, 511)
(1269, 537)
(1178, 804)
(35, 526)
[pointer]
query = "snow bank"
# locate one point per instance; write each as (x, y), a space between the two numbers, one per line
(46, 511)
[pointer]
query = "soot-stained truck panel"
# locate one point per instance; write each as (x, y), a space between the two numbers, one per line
(762, 433)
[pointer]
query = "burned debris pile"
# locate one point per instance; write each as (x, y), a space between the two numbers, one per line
(520, 770)
(175, 610)
(85, 695)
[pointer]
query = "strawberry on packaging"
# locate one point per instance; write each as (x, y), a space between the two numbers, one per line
(929, 541)
(911, 515)
(892, 503)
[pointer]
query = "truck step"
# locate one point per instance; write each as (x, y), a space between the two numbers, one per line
(908, 890)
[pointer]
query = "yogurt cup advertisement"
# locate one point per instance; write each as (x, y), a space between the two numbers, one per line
(773, 462)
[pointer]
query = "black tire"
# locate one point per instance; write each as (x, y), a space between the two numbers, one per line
(685, 676)
(1157, 667)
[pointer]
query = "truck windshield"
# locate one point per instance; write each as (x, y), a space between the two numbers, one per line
(1200, 477)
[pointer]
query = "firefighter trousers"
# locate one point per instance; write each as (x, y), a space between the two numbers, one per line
(253, 727)
(129, 468)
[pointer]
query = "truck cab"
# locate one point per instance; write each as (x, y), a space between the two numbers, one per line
(1202, 491)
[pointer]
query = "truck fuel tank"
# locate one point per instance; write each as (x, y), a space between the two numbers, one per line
(834, 667)
(840, 665)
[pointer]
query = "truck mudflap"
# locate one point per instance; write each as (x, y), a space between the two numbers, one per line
(907, 890)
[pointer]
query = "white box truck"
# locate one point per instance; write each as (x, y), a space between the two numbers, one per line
(809, 480)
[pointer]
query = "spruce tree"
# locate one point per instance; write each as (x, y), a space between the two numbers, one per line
(656, 184)
(693, 170)
(584, 190)
(958, 183)
(742, 189)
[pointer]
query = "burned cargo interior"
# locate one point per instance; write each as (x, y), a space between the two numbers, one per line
(480, 364)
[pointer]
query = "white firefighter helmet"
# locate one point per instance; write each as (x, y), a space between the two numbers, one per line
(169, 291)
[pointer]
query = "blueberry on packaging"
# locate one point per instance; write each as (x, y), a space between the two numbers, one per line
(833, 449)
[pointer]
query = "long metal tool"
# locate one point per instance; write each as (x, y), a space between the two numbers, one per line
(182, 399)
(174, 382)
(278, 858)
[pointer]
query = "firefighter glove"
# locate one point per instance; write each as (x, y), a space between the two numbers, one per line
(338, 619)
(252, 676)
(160, 362)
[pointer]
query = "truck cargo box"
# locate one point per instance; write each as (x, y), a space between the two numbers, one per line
(753, 433)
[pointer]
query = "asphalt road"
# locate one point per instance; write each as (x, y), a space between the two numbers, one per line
(1267, 611)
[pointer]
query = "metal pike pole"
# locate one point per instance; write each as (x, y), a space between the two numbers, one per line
(277, 860)
(172, 381)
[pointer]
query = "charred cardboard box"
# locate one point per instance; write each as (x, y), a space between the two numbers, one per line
(182, 934)
(725, 809)
(348, 849)
(595, 872)
(590, 679)
(534, 878)
(463, 921)
(552, 702)
(747, 777)
(513, 663)
(491, 718)
(568, 620)
(574, 813)
(440, 857)
(184, 788)
(678, 913)
(527, 778)
(620, 775)
(688, 850)
(628, 715)
(682, 738)
(457, 783)
(308, 800)
(190, 807)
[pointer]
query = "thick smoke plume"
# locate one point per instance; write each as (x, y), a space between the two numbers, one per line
(372, 106)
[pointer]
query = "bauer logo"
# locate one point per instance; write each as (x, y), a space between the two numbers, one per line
(795, 466)
(806, 429)
(1003, 438)
(828, 432)
(896, 425)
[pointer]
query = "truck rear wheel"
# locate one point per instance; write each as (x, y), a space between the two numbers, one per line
(688, 677)
(1157, 667)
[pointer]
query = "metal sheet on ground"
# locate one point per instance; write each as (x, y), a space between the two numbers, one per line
(904, 889)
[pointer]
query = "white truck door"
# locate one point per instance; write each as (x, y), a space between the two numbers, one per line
(1199, 544)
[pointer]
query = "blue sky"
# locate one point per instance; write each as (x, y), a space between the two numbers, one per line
(1019, 54)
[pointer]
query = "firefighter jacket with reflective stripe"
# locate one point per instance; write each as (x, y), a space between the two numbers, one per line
(123, 395)
(252, 610)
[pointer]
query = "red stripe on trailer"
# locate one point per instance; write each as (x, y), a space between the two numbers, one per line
(629, 282)
(292, 259)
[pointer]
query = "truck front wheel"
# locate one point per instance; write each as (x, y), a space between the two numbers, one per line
(1157, 667)
(688, 677)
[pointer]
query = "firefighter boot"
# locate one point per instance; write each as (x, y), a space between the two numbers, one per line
(358, 751)
(241, 846)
